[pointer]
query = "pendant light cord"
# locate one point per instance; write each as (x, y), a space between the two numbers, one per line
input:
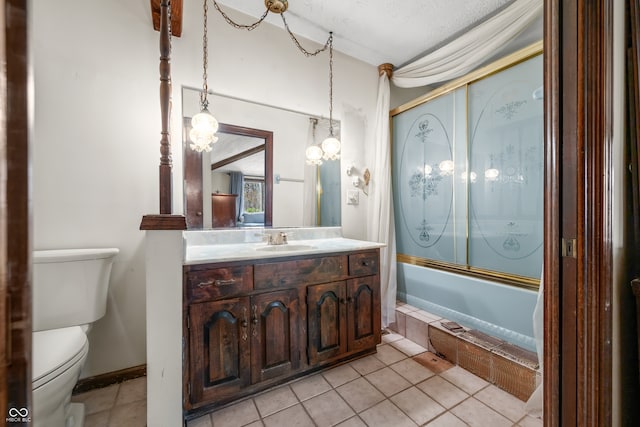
(205, 87)
(299, 46)
(235, 24)
(330, 41)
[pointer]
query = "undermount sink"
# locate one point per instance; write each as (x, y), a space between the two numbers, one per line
(285, 248)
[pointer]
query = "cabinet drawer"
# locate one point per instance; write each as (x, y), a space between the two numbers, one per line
(300, 272)
(219, 282)
(363, 264)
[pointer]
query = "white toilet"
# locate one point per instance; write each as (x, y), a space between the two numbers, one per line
(69, 293)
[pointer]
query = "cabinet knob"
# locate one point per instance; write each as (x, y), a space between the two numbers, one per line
(343, 301)
(244, 324)
(254, 321)
(349, 300)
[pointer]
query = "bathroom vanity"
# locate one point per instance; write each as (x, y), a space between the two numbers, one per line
(256, 314)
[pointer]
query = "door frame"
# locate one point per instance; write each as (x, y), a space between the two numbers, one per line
(578, 275)
(15, 213)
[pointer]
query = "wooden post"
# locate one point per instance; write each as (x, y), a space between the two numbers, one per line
(165, 221)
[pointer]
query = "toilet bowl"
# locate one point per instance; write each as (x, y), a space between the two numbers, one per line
(69, 293)
(58, 356)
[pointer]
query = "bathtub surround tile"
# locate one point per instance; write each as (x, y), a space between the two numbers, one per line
(309, 387)
(239, 414)
(388, 381)
(519, 355)
(442, 391)
(360, 394)
(417, 330)
(412, 371)
(475, 413)
(502, 402)
(98, 400)
(447, 420)
(340, 375)
(328, 409)
(366, 365)
(474, 352)
(408, 347)
(474, 359)
(406, 308)
(464, 380)
(274, 401)
(386, 414)
(294, 416)
(417, 405)
(443, 342)
(387, 354)
(399, 325)
(425, 316)
(432, 362)
(511, 375)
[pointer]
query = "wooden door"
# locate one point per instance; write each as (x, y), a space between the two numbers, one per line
(363, 313)
(274, 335)
(15, 211)
(326, 306)
(219, 349)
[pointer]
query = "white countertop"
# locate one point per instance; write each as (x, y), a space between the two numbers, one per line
(224, 246)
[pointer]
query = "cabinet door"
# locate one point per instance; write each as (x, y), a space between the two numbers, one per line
(274, 335)
(363, 313)
(326, 306)
(219, 349)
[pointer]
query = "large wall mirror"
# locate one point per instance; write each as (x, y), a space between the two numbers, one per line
(256, 174)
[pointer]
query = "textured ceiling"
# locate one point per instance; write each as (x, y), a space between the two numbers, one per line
(395, 31)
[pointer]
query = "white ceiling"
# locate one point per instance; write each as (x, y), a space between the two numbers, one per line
(376, 32)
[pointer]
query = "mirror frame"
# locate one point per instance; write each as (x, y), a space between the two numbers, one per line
(192, 171)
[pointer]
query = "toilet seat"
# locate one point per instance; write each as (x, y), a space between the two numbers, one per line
(55, 351)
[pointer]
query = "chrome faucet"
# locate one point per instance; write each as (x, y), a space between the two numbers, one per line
(279, 238)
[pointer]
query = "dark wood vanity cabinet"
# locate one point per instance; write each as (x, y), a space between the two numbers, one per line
(343, 317)
(252, 324)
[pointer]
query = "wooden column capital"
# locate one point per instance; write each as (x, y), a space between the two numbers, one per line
(386, 68)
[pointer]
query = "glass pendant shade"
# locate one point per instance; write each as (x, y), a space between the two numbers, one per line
(202, 135)
(331, 148)
(314, 155)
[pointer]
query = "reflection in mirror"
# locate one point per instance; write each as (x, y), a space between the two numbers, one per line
(298, 194)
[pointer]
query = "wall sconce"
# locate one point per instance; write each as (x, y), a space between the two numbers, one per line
(355, 178)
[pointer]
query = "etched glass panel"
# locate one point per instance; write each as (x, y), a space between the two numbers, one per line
(506, 154)
(423, 171)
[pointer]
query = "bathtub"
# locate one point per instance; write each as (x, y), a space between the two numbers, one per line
(502, 311)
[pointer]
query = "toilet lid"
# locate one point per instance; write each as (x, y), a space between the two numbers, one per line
(55, 351)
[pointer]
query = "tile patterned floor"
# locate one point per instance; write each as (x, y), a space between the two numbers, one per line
(389, 388)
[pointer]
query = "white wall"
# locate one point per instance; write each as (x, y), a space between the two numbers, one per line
(97, 131)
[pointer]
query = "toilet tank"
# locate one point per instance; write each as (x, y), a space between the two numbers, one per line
(70, 286)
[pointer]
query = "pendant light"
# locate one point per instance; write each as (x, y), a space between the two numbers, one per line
(331, 145)
(204, 125)
(313, 152)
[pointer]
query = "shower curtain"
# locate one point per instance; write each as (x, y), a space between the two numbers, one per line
(449, 61)
(237, 187)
